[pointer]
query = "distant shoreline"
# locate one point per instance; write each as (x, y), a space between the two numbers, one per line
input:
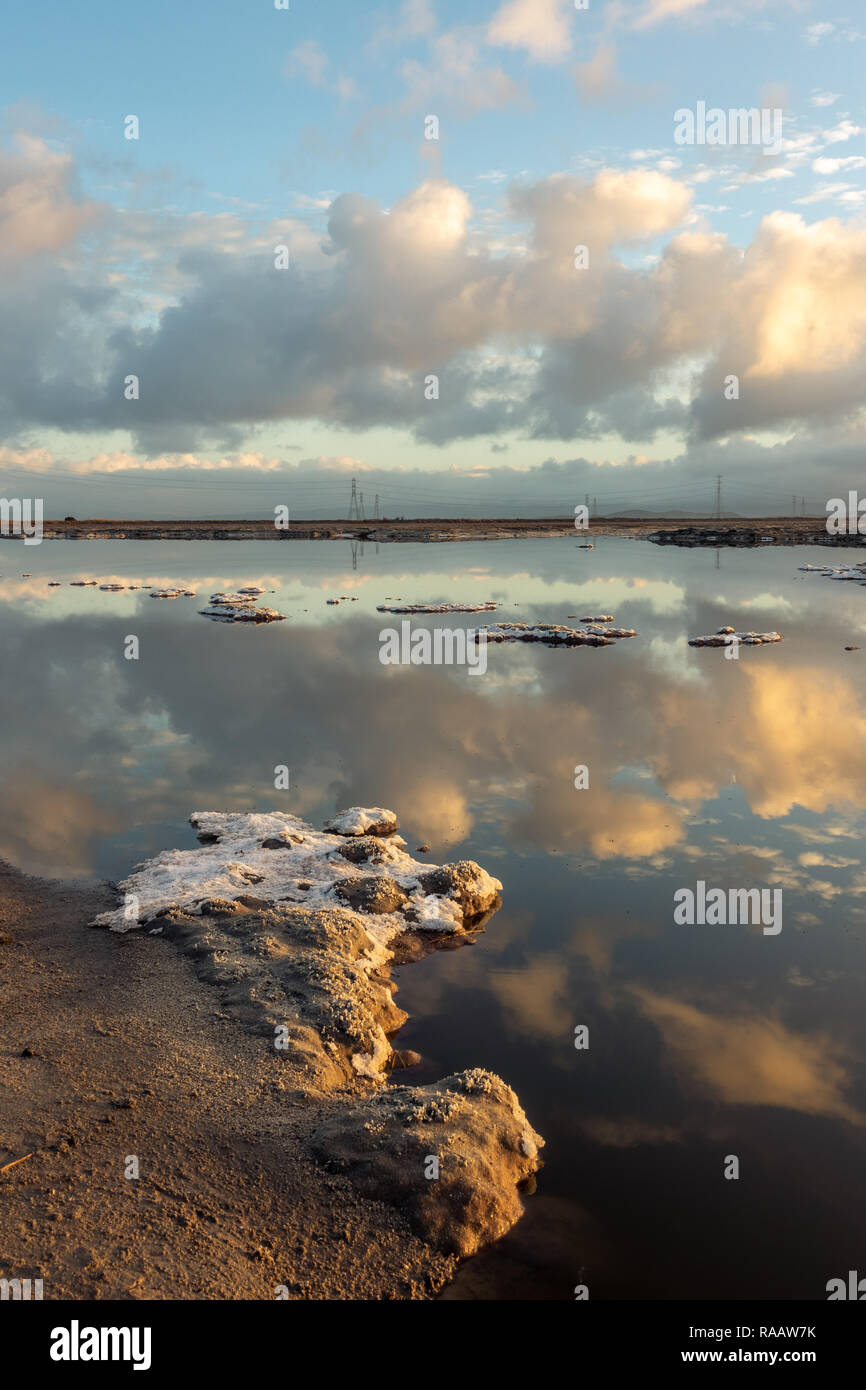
(683, 531)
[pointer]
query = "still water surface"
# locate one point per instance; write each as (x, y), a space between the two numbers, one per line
(705, 1041)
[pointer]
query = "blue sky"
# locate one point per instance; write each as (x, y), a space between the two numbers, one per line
(260, 126)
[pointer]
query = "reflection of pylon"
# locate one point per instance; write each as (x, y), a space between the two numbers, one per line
(354, 555)
(354, 514)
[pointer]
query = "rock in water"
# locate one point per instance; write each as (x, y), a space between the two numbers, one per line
(450, 1156)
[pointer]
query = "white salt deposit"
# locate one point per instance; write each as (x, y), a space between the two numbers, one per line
(302, 869)
(853, 573)
(722, 638)
(438, 608)
(363, 820)
(555, 634)
(240, 607)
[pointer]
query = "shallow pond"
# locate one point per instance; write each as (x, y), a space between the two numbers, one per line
(705, 1041)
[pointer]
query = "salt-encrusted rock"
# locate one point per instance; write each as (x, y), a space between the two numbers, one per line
(466, 882)
(722, 638)
(438, 608)
(450, 1156)
(360, 820)
(602, 618)
(368, 849)
(554, 634)
(855, 574)
(240, 607)
(273, 876)
(374, 894)
(302, 959)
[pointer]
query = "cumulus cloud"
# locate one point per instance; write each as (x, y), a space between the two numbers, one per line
(538, 27)
(795, 330)
(521, 338)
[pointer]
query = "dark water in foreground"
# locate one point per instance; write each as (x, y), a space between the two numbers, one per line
(705, 1041)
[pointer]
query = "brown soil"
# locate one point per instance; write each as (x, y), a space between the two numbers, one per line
(794, 529)
(111, 1046)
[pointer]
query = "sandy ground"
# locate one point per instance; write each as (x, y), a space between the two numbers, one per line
(110, 1046)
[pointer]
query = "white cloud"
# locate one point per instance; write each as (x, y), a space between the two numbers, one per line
(539, 27)
(521, 339)
(814, 33)
(833, 166)
(845, 130)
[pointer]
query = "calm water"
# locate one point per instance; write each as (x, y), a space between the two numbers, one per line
(705, 1041)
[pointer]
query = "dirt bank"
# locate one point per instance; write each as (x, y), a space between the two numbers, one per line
(676, 531)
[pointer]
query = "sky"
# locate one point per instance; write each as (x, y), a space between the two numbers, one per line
(458, 252)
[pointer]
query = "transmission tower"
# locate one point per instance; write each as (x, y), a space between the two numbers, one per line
(354, 514)
(718, 512)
